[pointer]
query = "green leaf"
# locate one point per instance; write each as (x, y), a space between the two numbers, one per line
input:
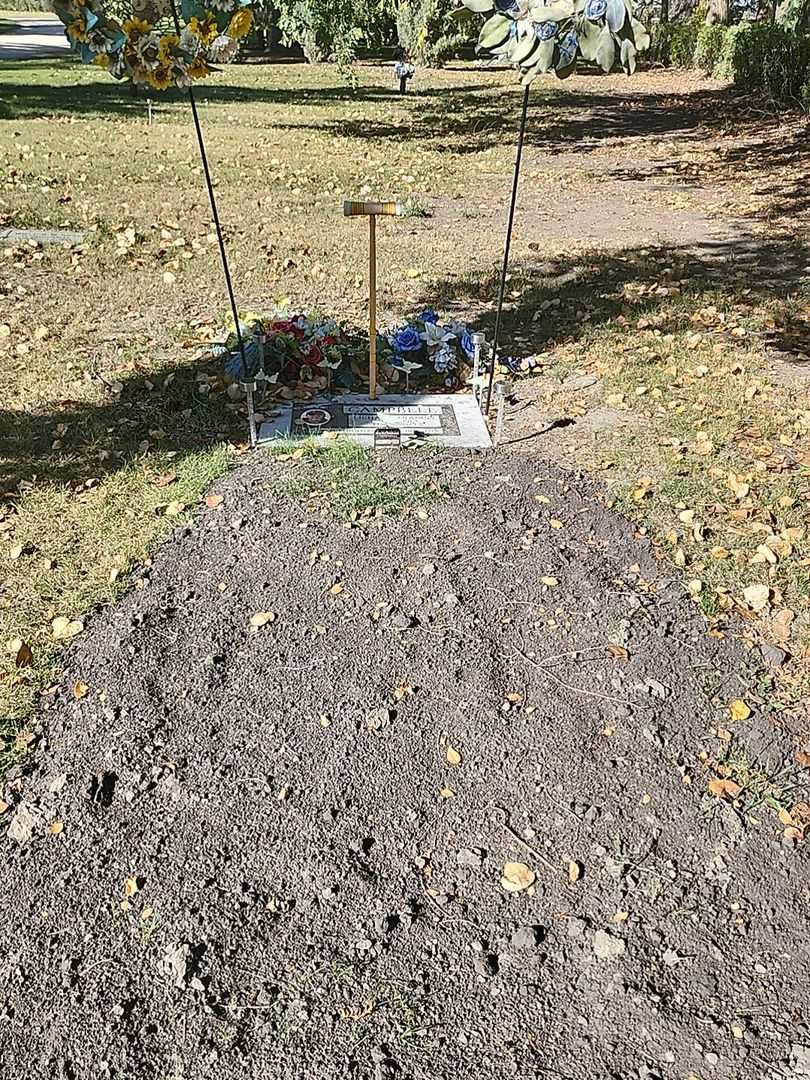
(478, 6)
(556, 11)
(641, 37)
(606, 51)
(494, 33)
(628, 55)
(543, 60)
(523, 50)
(616, 15)
(589, 35)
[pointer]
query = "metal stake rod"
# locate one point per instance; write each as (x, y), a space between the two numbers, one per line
(214, 211)
(507, 246)
(372, 306)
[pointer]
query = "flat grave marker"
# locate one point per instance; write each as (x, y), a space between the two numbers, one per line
(445, 419)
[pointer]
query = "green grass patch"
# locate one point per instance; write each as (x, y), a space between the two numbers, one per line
(347, 479)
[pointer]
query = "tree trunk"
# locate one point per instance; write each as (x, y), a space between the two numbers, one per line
(719, 12)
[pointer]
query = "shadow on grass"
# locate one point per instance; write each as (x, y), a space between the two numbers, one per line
(464, 121)
(76, 441)
(28, 90)
(564, 300)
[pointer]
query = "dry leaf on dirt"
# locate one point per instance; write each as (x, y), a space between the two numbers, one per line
(64, 629)
(738, 709)
(213, 501)
(757, 597)
(517, 877)
(131, 886)
(23, 657)
(55, 828)
(447, 793)
(453, 756)
(618, 651)
(575, 870)
(724, 789)
(262, 618)
(80, 689)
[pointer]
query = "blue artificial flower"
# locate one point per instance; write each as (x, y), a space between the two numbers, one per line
(595, 9)
(506, 7)
(568, 47)
(545, 31)
(443, 358)
(396, 360)
(406, 340)
(429, 315)
(467, 343)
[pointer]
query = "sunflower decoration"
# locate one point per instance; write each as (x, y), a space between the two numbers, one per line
(148, 48)
(538, 36)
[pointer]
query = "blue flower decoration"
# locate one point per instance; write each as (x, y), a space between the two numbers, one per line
(506, 7)
(595, 9)
(406, 340)
(545, 31)
(568, 47)
(443, 358)
(467, 344)
(429, 315)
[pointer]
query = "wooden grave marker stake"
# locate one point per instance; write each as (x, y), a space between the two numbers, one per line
(372, 210)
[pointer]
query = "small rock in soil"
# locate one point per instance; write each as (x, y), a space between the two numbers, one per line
(527, 937)
(773, 656)
(22, 825)
(472, 857)
(575, 928)
(606, 946)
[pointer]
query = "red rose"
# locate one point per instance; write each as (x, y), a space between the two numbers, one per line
(314, 355)
(330, 339)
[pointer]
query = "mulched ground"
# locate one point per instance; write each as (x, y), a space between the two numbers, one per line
(269, 866)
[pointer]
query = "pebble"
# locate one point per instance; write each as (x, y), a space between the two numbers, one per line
(575, 928)
(606, 946)
(485, 964)
(772, 656)
(579, 382)
(472, 857)
(527, 937)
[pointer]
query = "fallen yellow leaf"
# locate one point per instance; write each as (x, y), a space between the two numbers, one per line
(80, 689)
(738, 709)
(453, 756)
(517, 877)
(724, 789)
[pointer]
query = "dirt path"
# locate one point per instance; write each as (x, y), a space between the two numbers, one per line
(279, 852)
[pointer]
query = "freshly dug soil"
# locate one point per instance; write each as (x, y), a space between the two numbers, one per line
(282, 851)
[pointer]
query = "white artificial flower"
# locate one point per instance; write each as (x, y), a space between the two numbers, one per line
(434, 334)
(222, 49)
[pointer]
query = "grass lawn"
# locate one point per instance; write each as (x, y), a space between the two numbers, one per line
(106, 425)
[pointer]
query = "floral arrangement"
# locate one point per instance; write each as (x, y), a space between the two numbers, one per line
(425, 348)
(148, 48)
(538, 37)
(296, 349)
(302, 349)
